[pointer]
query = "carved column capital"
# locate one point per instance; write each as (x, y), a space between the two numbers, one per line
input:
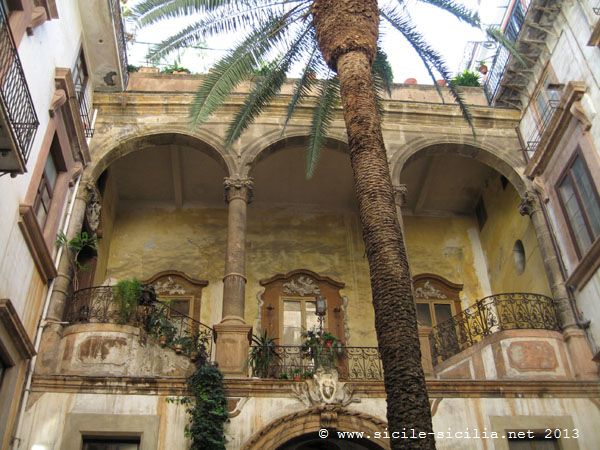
(238, 188)
(400, 193)
(529, 204)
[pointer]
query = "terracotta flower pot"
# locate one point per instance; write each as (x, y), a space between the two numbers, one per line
(483, 69)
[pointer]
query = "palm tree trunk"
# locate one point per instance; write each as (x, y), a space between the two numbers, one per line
(341, 27)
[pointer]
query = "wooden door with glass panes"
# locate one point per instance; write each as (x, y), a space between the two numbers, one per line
(288, 312)
(437, 300)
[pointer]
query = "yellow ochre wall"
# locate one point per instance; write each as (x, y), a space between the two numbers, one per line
(503, 227)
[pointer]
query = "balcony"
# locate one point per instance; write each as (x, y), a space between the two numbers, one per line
(535, 137)
(117, 20)
(514, 20)
(287, 362)
(185, 335)
(18, 120)
(517, 311)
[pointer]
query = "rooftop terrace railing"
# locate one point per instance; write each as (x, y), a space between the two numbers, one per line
(515, 311)
(15, 98)
(172, 329)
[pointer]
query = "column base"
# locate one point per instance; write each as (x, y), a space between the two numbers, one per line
(233, 337)
(580, 353)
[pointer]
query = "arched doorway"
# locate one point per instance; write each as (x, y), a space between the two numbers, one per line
(312, 441)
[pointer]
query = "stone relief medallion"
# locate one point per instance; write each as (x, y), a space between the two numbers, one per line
(428, 291)
(302, 285)
(168, 287)
(324, 389)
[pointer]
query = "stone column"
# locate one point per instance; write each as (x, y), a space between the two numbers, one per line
(232, 334)
(53, 331)
(577, 345)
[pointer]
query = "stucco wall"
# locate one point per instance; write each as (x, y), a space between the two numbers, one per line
(504, 226)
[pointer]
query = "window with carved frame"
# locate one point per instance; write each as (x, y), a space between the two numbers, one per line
(436, 299)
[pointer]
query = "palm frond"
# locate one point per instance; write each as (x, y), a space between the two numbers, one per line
(382, 70)
(459, 11)
(430, 57)
(328, 95)
(496, 34)
(303, 85)
(267, 87)
(233, 68)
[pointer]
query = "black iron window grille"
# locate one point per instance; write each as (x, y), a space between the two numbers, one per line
(535, 137)
(115, 9)
(15, 98)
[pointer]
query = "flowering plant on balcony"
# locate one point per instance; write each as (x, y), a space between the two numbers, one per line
(322, 347)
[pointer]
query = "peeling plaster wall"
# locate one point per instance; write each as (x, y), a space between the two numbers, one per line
(442, 245)
(503, 227)
(45, 420)
(149, 240)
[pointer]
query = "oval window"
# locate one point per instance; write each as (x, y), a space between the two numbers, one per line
(519, 256)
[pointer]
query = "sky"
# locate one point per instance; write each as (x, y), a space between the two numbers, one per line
(445, 33)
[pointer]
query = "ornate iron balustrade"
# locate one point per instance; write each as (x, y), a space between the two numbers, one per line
(172, 329)
(490, 315)
(115, 9)
(533, 141)
(15, 98)
(294, 363)
(514, 24)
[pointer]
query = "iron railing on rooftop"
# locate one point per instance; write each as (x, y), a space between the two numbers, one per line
(171, 328)
(15, 98)
(117, 17)
(514, 24)
(290, 362)
(490, 315)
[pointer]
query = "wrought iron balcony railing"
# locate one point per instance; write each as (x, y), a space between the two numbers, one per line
(295, 363)
(115, 9)
(514, 24)
(490, 315)
(172, 329)
(19, 121)
(533, 140)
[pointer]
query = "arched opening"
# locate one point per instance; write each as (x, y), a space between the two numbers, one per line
(162, 209)
(312, 224)
(312, 441)
(461, 219)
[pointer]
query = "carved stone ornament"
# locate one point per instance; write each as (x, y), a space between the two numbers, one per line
(324, 389)
(240, 188)
(428, 291)
(303, 285)
(526, 207)
(400, 194)
(168, 287)
(93, 209)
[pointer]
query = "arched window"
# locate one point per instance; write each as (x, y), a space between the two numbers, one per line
(436, 299)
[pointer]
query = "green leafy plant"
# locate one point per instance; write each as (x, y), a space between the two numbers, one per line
(75, 246)
(207, 409)
(322, 347)
(127, 294)
(159, 325)
(466, 78)
(263, 355)
(131, 68)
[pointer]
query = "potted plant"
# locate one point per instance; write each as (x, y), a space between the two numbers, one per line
(483, 68)
(263, 355)
(466, 78)
(322, 348)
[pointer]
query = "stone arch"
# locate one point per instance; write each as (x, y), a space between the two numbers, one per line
(110, 150)
(274, 140)
(487, 153)
(291, 426)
